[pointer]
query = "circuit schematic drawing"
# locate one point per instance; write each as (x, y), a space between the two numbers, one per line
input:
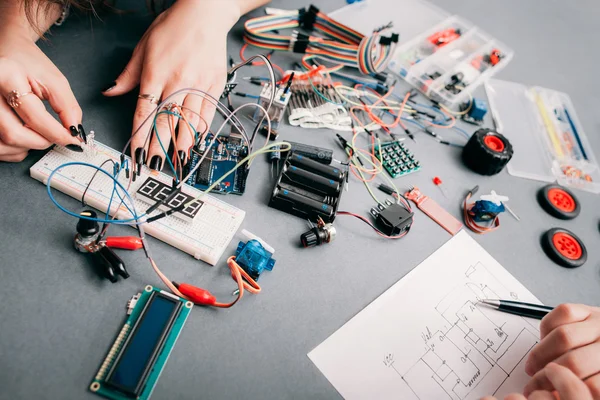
(475, 350)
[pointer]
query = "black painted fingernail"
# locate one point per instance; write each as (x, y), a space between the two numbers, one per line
(156, 163)
(181, 155)
(140, 159)
(74, 131)
(82, 133)
(110, 87)
(74, 147)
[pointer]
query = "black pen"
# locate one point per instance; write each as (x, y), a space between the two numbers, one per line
(536, 311)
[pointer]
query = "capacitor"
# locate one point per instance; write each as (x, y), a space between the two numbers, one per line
(312, 180)
(307, 164)
(318, 235)
(274, 158)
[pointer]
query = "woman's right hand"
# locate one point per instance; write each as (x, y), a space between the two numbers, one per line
(25, 68)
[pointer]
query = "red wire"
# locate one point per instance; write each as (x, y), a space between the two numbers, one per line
(259, 63)
(371, 225)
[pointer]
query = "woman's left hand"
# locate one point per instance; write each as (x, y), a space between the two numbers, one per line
(185, 47)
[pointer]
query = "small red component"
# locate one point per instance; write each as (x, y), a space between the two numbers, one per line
(567, 245)
(124, 242)
(437, 181)
(444, 37)
(495, 56)
(227, 184)
(197, 295)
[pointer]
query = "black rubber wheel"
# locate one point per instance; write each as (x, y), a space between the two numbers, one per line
(487, 152)
(559, 202)
(564, 248)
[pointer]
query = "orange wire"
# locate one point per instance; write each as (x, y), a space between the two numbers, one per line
(472, 224)
(244, 281)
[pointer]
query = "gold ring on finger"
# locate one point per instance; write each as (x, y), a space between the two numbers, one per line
(13, 98)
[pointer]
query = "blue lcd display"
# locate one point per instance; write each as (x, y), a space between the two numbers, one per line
(132, 367)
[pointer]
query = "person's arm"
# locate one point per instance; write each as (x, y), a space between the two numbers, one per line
(185, 47)
(27, 77)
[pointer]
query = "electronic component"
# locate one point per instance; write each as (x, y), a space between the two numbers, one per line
(310, 107)
(392, 219)
(274, 159)
(205, 238)
(254, 258)
(224, 154)
(559, 202)
(139, 354)
(438, 182)
(434, 211)
(280, 103)
(306, 194)
(86, 241)
(447, 36)
(487, 152)
(564, 248)
(299, 204)
(397, 159)
(153, 191)
(485, 211)
(322, 155)
(319, 234)
(306, 163)
(477, 108)
(302, 177)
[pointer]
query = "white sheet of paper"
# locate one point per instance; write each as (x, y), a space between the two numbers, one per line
(427, 338)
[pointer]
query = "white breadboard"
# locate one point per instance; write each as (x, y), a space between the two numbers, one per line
(205, 238)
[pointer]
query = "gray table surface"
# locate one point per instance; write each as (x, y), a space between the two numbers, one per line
(58, 318)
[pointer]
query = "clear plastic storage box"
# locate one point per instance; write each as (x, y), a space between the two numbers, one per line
(550, 144)
(444, 56)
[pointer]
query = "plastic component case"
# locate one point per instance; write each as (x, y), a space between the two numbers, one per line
(308, 192)
(280, 102)
(543, 125)
(254, 258)
(434, 47)
(392, 219)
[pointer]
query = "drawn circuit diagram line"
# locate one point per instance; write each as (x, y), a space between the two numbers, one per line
(474, 345)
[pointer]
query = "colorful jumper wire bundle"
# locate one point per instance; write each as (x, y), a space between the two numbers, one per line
(338, 43)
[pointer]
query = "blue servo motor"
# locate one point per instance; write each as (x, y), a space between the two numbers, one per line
(484, 210)
(254, 258)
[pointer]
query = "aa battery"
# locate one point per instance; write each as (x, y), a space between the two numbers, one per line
(303, 203)
(307, 164)
(324, 156)
(311, 180)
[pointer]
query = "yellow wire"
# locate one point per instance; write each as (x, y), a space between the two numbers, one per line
(267, 149)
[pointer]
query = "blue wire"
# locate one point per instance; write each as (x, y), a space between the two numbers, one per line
(321, 95)
(160, 142)
(108, 221)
